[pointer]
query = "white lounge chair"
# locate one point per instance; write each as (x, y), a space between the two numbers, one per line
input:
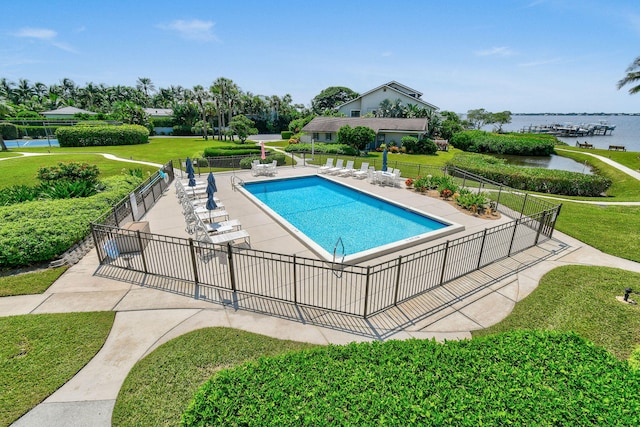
(219, 239)
(347, 170)
(326, 167)
(338, 167)
(362, 172)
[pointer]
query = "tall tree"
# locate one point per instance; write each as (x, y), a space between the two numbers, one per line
(632, 78)
(479, 117)
(332, 97)
(201, 96)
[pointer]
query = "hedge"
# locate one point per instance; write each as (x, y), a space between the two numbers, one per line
(518, 378)
(278, 157)
(519, 144)
(532, 179)
(39, 231)
(230, 150)
(182, 130)
(286, 134)
(323, 148)
(8, 131)
(88, 136)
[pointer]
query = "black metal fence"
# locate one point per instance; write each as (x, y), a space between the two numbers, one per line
(229, 273)
(140, 200)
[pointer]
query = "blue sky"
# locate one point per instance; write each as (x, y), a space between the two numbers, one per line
(522, 56)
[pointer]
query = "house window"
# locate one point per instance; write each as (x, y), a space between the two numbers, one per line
(327, 136)
(355, 113)
(316, 136)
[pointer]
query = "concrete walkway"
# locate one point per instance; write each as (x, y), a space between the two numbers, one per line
(147, 318)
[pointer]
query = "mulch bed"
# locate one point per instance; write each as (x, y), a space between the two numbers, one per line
(484, 215)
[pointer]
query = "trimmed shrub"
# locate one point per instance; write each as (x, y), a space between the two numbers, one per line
(230, 150)
(532, 179)
(279, 157)
(285, 134)
(516, 378)
(88, 136)
(39, 231)
(8, 131)
(182, 130)
(163, 122)
(520, 144)
(323, 148)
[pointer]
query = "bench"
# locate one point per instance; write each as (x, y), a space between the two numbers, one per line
(617, 148)
(584, 145)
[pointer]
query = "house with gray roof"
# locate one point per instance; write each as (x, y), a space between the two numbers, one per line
(369, 102)
(325, 129)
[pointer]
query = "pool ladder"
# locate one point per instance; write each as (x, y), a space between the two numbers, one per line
(234, 184)
(338, 272)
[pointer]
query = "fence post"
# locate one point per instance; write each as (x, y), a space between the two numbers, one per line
(95, 243)
(232, 274)
(366, 292)
(524, 204)
(295, 280)
(195, 270)
(144, 202)
(542, 221)
(144, 259)
(513, 236)
(498, 200)
(444, 262)
(115, 216)
(395, 297)
(484, 237)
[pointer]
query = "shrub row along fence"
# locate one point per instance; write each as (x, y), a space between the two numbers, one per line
(139, 201)
(228, 273)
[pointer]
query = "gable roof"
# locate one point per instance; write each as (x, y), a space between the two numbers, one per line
(159, 112)
(68, 111)
(333, 124)
(407, 91)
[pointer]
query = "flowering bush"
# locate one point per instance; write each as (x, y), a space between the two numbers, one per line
(408, 182)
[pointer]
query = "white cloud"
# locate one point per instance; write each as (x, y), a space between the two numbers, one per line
(36, 33)
(495, 51)
(45, 35)
(192, 30)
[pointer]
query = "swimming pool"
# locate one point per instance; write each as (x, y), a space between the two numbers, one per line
(328, 216)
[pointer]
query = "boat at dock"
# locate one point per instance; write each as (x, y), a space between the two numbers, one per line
(571, 130)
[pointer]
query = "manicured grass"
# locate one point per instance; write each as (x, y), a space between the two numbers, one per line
(160, 386)
(29, 283)
(22, 171)
(158, 150)
(40, 352)
(611, 229)
(6, 154)
(583, 300)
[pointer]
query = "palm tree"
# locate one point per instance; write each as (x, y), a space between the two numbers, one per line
(145, 85)
(69, 89)
(221, 90)
(6, 88)
(201, 96)
(632, 77)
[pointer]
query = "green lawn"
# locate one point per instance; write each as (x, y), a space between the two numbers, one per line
(41, 352)
(581, 299)
(22, 170)
(29, 283)
(160, 386)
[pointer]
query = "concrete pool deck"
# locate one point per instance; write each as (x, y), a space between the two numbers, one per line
(147, 317)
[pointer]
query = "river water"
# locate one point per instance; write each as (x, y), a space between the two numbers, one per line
(627, 131)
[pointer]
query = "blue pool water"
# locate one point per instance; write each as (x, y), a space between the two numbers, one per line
(326, 211)
(31, 143)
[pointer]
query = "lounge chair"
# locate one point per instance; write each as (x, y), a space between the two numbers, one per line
(219, 239)
(338, 167)
(362, 172)
(326, 167)
(347, 170)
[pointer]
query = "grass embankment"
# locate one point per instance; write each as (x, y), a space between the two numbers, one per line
(22, 171)
(159, 387)
(29, 283)
(580, 299)
(40, 352)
